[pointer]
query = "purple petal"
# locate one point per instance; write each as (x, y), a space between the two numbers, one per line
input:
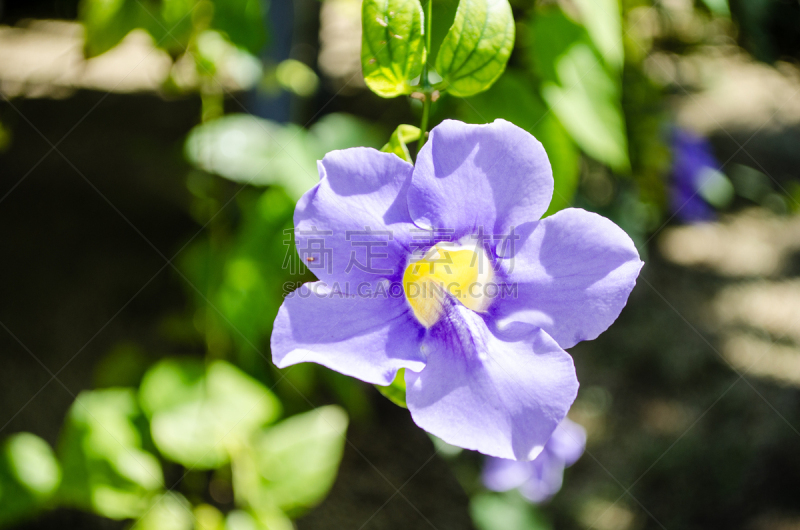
(472, 177)
(502, 474)
(570, 275)
(367, 335)
(568, 442)
(546, 479)
(360, 190)
(479, 392)
(541, 478)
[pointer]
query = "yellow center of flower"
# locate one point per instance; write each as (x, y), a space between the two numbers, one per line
(463, 272)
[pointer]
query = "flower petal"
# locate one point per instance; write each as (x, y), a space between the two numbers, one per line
(568, 442)
(570, 275)
(369, 335)
(469, 177)
(503, 474)
(360, 190)
(479, 392)
(546, 479)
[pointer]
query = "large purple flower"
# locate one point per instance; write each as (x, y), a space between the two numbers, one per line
(445, 269)
(541, 478)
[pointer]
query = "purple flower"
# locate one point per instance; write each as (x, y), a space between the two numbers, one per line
(541, 478)
(697, 184)
(445, 269)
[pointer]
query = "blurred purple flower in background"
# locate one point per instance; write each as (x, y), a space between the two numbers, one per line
(541, 478)
(485, 368)
(697, 184)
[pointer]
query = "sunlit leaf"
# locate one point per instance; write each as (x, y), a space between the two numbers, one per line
(477, 47)
(107, 22)
(396, 392)
(718, 7)
(603, 21)
(208, 517)
(397, 143)
(392, 49)
(508, 511)
(293, 464)
(211, 418)
(260, 152)
(296, 77)
(105, 468)
(514, 98)
(267, 519)
(578, 88)
(29, 476)
(169, 511)
(444, 13)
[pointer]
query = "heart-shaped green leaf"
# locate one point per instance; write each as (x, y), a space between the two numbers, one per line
(392, 50)
(476, 49)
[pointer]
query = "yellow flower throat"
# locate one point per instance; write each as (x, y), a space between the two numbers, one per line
(462, 271)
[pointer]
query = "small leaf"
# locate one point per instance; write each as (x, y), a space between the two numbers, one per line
(400, 137)
(106, 470)
(218, 415)
(170, 511)
(259, 152)
(579, 89)
(718, 7)
(396, 391)
(242, 21)
(477, 47)
(508, 511)
(29, 476)
(292, 465)
(603, 21)
(392, 49)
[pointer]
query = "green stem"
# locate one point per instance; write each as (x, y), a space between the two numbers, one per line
(424, 81)
(423, 126)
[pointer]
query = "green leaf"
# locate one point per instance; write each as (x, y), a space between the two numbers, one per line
(292, 465)
(718, 7)
(107, 22)
(170, 511)
(171, 382)
(603, 21)
(514, 98)
(392, 48)
(400, 137)
(260, 152)
(578, 88)
(209, 418)
(106, 470)
(396, 392)
(476, 48)
(508, 511)
(267, 518)
(242, 21)
(29, 476)
(444, 13)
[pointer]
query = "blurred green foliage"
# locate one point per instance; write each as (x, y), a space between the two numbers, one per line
(173, 24)
(508, 511)
(258, 152)
(116, 442)
(29, 476)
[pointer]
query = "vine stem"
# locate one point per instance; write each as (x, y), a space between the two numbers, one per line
(425, 82)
